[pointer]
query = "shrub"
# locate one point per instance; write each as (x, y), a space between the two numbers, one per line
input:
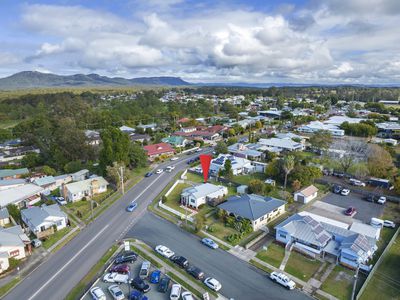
(234, 238)
(211, 228)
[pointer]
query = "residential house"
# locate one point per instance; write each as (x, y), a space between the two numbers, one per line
(201, 194)
(306, 195)
(245, 151)
(157, 150)
(93, 137)
(11, 183)
(13, 173)
(12, 245)
(63, 179)
(258, 209)
(4, 217)
(291, 136)
(141, 138)
(88, 188)
(278, 145)
(239, 165)
(316, 126)
(42, 221)
(80, 175)
(273, 114)
(16, 153)
(127, 129)
(176, 141)
(389, 130)
(48, 183)
(152, 127)
(21, 196)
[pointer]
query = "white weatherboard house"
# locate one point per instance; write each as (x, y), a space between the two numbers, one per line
(306, 195)
(239, 165)
(40, 219)
(12, 244)
(27, 194)
(86, 188)
(198, 195)
(277, 145)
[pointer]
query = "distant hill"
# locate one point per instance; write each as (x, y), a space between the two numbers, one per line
(34, 79)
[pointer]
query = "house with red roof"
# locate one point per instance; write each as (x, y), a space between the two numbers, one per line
(159, 149)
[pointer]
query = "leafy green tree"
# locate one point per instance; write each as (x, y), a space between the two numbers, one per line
(380, 162)
(228, 173)
(232, 140)
(114, 171)
(288, 166)
(258, 125)
(322, 139)
(269, 156)
(73, 166)
(221, 148)
(5, 134)
(115, 147)
(137, 156)
(231, 132)
(31, 160)
(256, 186)
(49, 171)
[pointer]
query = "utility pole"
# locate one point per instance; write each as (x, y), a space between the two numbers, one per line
(121, 178)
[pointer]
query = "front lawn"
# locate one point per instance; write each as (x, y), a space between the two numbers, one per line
(339, 283)
(173, 199)
(301, 266)
(273, 255)
(245, 179)
(51, 240)
(194, 178)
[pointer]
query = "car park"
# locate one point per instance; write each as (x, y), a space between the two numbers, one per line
(381, 200)
(283, 280)
(187, 296)
(213, 284)
(163, 286)
(97, 293)
(389, 224)
(122, 269)
(174, 158)
(345, 192)
(337, 189)
(139, 284)
(116, 278)
(195, 272)
(159, 171)
(351, 211)
(131, 207)
(209, 243)
(164, 251)
(148, 174)
(144, 269)
(128, 256)
(136, 295)
(116, 292)
(175, 292)
(180, 261)
(155, 276)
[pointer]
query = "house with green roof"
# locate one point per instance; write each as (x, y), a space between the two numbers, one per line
(13, 173)
(175, 141)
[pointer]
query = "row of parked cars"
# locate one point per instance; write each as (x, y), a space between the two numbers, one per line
(182, 262)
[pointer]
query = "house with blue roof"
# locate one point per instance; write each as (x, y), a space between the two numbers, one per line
(258, 209)
(48, 183)
(239, 165)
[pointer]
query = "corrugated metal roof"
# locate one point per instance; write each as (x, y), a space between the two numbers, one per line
(84, 185)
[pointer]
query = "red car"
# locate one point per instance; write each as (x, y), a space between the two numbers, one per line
(351, 211)
(122, 269)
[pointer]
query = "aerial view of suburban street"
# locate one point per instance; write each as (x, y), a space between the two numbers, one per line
(199, 150)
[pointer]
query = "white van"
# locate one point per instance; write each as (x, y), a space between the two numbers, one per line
(375, 222)
(144, 269)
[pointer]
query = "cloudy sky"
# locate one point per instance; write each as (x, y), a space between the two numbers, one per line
(298, 41)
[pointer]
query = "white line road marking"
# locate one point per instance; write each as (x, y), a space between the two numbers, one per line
(149, 186)
(73, 258)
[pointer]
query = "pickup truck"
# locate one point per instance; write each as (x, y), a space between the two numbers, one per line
(116, 278)
(283, 280)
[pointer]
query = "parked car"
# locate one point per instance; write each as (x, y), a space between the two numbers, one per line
(390, 224)
(163, 286)
(144, 269)
(122, 269)
(131, 207)
(116, 278)
(356, 182)
(139, 284)
(187, 296)
(351, 211)
(209, 243)
(175, 292)
(155, 276)
(381, 200)
(337, 189)
(345, 192)
(180, 261)
(97, 293)
(369, 198)
(213, 284)
(36, 243)
(148, 174)
(195, 272)
(164, 251)
(377, 223)
(159, 171)
(116, 292)
(61, 200)
(283, 280)
(127, 256)
(198, 150)
(136, 295)
(174, 158)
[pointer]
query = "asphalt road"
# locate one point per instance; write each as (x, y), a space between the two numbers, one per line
(63, 270)
(239, 280)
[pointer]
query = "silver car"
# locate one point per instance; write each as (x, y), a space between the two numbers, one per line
(97, 293)
(116, 292)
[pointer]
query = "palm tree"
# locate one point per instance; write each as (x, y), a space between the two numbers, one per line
(288, 166)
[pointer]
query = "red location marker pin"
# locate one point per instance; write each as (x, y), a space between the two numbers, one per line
(205, 161)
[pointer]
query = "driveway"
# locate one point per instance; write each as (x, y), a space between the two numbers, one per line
(365, 210)
(239, 279)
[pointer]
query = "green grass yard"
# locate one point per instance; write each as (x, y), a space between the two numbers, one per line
(174, 197)
(301, 267)
(245, 179)
(51, 240)
(273, 255)
(339, 283)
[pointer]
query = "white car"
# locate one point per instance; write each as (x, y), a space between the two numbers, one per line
(390, 224)
(175, 292)
(381, 200)
(213, 284)
(116, 278)
(159, 171)
(97, 293)
(282, 279)
(169, 168)
(174, 158)
(164, 251)
(357, 182)
(345, 192)
(187, 296)
(199, 150)
(116, 292)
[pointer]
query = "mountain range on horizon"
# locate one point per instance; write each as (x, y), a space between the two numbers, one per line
(36, 79)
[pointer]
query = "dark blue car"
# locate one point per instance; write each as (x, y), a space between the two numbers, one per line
(136, 295)
(131, 207)
(148, 174)
(155, 276)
